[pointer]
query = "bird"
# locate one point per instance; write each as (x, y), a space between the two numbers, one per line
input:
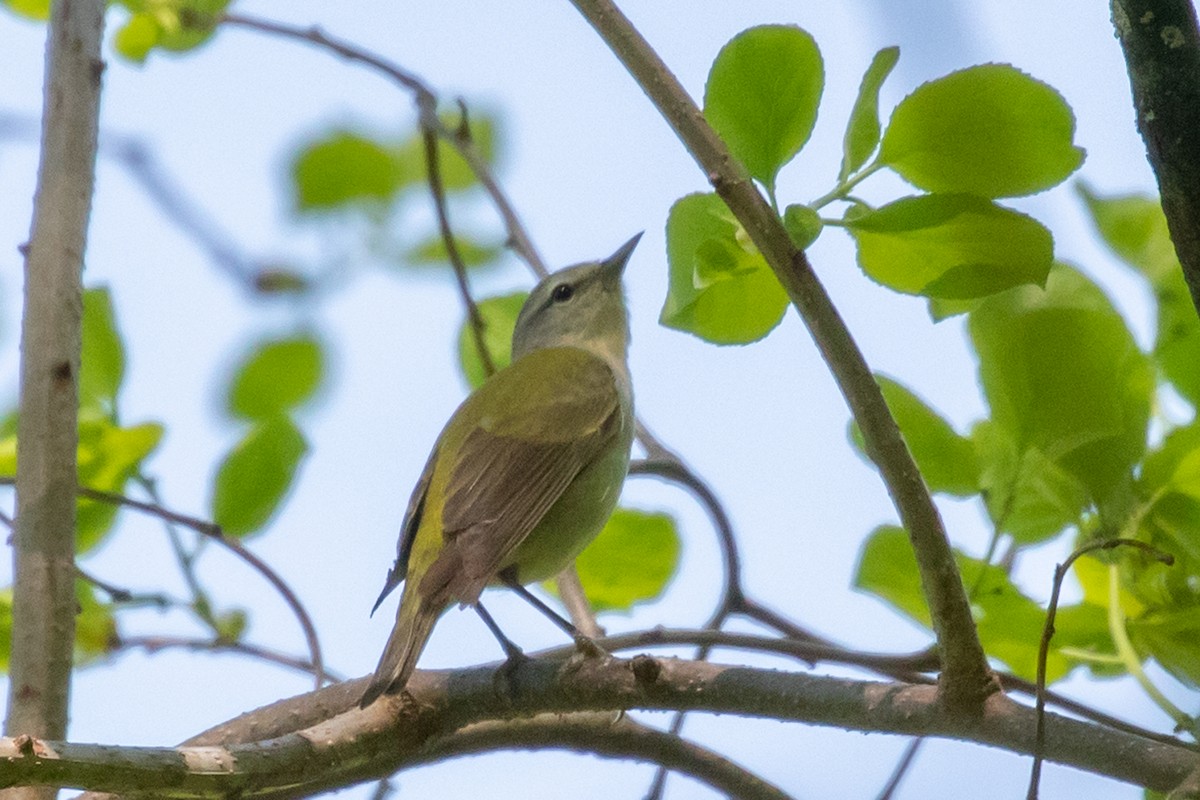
(526, 471)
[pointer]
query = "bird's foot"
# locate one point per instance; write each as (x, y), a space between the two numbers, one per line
(505, 678)
(586, 652)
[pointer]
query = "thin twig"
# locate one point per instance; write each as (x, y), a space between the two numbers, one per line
(907, 759)
(1060, 574)
(156, 644)
(213, 531)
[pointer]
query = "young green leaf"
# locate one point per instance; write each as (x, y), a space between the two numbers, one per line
(1172, 638)
(762, 96)
(173, 25)
(36, 10)
(137, 37)
(95, 625)
(455, 172)
(803, 224)
(6, 598)
(1009, 623)
(947, 460)
(108, 455)
(499, 318)
(1028, 496)
(433, 252)
(102, 361)
(721, 288)
(277, 375)
(256, 475)
(1134, 227)
(951, 246)
(989, 130)
(345, 169)
(1062, 373)
(862, 131)
(631, 561)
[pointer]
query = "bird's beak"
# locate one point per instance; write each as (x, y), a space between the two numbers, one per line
(614, 265)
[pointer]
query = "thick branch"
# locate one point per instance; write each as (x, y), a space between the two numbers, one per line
(284, 750)
(966, 678)
(1161, 42)
(44, 544)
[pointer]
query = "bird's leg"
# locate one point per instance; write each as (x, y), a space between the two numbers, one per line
(514, 656)
(584, 644)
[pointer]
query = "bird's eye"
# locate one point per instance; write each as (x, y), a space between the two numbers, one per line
(563, 292)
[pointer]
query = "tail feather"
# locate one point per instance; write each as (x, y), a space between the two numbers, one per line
(414, 624)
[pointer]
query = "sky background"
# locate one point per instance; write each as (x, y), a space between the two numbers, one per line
(587, 163)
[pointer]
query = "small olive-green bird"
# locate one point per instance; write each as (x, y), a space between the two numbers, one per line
(527, 471)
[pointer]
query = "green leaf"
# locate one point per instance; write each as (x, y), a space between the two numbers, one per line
(277, 375)
(989, 130)
(762, 96)
(721, 288)
(344, 169)
(433, 251)
(455, 172)
(256, 476)
(33, 9)
(631, 561)
(499, 318)
(1009, 623)
(6, 600)
(803, 224)
(108, 456)
(1134, 227)
(1062, 373)
(947, 460)
(137, 37)
(1027, 495)
(1172, 638)
(102, 362)
(862, 131)
(951, 246)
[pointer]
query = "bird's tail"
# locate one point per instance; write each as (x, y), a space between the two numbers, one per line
(414, 623)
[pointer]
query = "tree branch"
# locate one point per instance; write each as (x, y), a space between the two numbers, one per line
(1161, 43)
(322, 740)
(43, 633)
(966, 679)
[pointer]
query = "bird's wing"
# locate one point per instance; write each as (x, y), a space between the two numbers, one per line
(408, 531)
(559, 409)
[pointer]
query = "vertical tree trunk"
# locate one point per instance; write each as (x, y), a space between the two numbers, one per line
(44, 541)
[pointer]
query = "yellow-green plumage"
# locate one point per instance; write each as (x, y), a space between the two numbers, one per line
(528, 468)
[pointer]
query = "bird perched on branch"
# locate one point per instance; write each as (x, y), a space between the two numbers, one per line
(527, 470)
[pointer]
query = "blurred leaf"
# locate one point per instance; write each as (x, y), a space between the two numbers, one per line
(1134, 227)
(721, 288)
(1175, 464)
(803, 224)
(433, 251)
(1010, 624)
(173, 25)
(762, 95)
(231, 625)
(276, 376)
(108, 457)
(256, 475)
(947, 460)
(1062, 373)
(8, 456)
(631, 561)
(95, 625)
(344, 169)
(951, 246)
(499, 317)
(33, 9)
(1172, 638)
(456, 174)
(862, 131)
(989, 130)
(1027, 495)
(280, 280)
(102, 362)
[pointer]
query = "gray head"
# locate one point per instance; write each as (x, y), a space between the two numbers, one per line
(581, 306)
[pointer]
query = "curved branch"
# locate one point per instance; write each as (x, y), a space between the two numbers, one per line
(966, 678)
(322, 739)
